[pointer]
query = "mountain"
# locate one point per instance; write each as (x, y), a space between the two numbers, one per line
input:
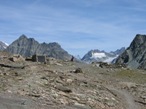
(101, 56)
(29, 46)
(135, 55)
(3, 45)
(118, 51)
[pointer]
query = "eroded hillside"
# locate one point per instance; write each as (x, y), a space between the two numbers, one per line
(61, 84)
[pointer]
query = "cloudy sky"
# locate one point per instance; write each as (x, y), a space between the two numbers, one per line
(77, 25)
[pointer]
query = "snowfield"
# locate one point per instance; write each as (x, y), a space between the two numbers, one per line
(98, 55)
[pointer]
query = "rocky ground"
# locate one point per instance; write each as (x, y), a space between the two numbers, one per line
(61, 84)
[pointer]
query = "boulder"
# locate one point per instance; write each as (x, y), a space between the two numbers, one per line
(16, 58)
(78, 70)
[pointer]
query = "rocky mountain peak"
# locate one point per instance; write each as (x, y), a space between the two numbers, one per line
(138, 41)
(101, 56)
(134, 56)
(54, 44)
(23, 36)
(118, 51)
(29, 46)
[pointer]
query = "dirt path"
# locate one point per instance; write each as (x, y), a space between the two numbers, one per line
(126, 98)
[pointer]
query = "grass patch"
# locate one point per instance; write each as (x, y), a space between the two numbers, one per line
(132, 76)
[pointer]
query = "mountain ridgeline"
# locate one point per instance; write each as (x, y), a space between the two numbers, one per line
(3, 46)
(135, 55)
(102, 56)
(29, 46)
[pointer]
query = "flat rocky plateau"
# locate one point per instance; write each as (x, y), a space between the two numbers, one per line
(61, 84)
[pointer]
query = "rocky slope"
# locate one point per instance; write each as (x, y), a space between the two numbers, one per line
(3, 46)
(62, 84)
(29, 46)
(135, 55)
(101, 56)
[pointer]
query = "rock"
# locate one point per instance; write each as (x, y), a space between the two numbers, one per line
(64, 89)
(13, 66)
(110, 102)
(81, 106)
(128, 85)
(58, 64)
(99, 105)
(34, 95)
(16, 58)
(78, 70)
(143, 97)
(64, 101)
(69, 81)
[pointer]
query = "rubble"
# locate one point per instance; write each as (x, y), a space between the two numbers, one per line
(69, 85)
(17, 58)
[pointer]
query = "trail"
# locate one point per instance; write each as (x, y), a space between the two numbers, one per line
(125, 98)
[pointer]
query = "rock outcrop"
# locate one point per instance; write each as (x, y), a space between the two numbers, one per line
(135, 55)
(29, 46)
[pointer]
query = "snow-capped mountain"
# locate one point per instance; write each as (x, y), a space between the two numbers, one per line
(3, 45)
(102, 56)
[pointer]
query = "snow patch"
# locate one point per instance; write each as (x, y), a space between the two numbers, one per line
(110, 59)
(6, 44)
(98, 55)
(3, 44)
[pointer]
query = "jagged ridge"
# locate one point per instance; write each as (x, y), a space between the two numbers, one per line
(29, 46)
(135, 55)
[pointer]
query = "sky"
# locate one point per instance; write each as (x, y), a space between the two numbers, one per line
(77, 25)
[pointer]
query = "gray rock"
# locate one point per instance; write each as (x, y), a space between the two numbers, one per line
(135, 55)
(64, 89)
(78, 70)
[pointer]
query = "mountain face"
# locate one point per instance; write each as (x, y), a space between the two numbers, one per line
(118, 51)
(3, 46)
(101, 56)
(28, 47)
(135, 55)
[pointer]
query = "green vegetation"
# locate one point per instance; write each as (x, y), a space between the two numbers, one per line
(132, 76)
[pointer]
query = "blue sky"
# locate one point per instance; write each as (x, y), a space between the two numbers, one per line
(77, 25)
